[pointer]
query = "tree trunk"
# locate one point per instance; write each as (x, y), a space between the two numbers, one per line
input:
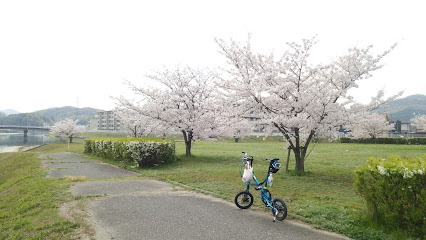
(188, 148)
(299, 151)
(300, 162)
(300, 155)
(70, 139)
(187, 136)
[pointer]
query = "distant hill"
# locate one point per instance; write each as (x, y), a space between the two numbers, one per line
(401, 109)
(50, 116)
(406, 108)
(9, 111)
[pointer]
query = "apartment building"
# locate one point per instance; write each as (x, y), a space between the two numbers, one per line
(104, 121)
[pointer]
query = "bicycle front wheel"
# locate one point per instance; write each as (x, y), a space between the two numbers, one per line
(280, 206)
(244, 200)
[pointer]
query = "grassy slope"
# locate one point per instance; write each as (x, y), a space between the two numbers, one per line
(28, 201)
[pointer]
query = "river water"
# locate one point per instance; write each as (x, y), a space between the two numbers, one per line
(10, 142)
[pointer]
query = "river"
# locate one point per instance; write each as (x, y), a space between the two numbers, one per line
(11, 142)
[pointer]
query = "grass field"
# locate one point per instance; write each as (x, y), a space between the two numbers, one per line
(323, 196)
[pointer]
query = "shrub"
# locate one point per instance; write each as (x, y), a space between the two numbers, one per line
(385, 140)
(143, 151)
(394, 191)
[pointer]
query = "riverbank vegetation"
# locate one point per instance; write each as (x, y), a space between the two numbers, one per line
(323, 196)
(29, 202)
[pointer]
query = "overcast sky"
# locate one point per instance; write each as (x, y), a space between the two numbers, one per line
(77, 53)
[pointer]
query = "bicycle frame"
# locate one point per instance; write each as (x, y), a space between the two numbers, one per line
(263, 192)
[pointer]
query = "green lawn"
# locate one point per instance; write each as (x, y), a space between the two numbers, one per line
(323, 197)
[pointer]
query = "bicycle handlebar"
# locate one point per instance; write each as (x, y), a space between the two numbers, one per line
(251, 157)
(245, 156)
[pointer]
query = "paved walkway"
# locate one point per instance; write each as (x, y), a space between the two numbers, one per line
(71, 164)
(148, 209)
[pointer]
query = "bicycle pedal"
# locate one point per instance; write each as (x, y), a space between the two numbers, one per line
(258, 188)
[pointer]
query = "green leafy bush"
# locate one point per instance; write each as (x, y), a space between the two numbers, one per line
(394, 191)
(143, 151)
(384, 140)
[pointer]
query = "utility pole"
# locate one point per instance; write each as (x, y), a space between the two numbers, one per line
(26, 130)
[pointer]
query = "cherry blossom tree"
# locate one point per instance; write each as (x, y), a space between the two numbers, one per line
(184, 103)
(234, 125)
(370, 125)
(292, 95)
(68, 128)
(419, 121)
(136, 124)
(239, 128)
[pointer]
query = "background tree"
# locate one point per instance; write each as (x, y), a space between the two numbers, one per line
(184, 103)
(295, 97)
(237, 125)
(370, 125)
(68, 128)
(136, 124)
(419, 121)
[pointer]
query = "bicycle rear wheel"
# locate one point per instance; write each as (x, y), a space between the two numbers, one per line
(279, 205)
(244, 200)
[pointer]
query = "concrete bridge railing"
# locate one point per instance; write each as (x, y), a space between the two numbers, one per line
(25, 128)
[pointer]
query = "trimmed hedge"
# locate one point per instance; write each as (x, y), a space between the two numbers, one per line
(408, 141)
(394, 191)
(143, 151)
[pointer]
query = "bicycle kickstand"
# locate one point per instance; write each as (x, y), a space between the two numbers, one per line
(275, 215)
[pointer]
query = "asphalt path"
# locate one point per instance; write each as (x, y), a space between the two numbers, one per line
(77, 165)
(148, 209)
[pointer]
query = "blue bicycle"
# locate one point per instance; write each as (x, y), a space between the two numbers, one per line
(244, 199)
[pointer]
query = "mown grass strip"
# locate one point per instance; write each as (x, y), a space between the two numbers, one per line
(29, 202)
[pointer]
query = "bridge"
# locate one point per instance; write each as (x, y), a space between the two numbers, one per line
(25, 128)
